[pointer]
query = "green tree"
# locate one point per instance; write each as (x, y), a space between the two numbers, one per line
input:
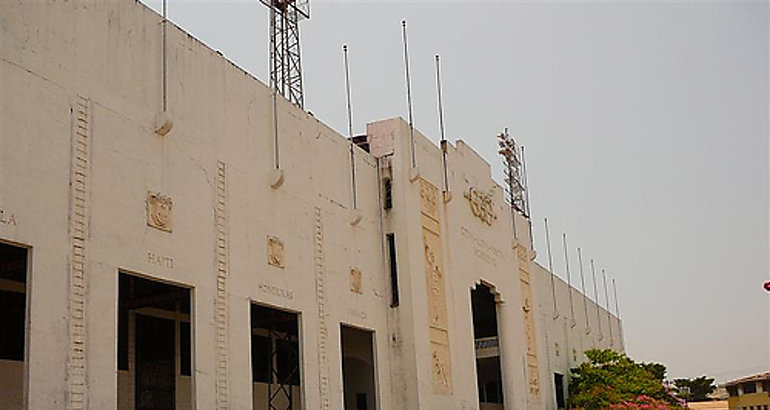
(696, 389)
(658, 370)
(612, 380)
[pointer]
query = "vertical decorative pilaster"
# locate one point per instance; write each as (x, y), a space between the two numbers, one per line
(221, 223)
(323, 365)
(79, 184)
(438, 323)
(524, 257)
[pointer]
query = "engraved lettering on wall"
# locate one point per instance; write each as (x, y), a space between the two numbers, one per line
(160, 211)
(438, 328)
(276, 291)
(275, 252)
(160, 260)
(356, 279)
(358, 314)
(481, 248)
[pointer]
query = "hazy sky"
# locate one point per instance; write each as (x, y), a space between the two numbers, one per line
(646, 127)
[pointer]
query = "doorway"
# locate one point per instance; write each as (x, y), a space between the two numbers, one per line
(275, 359)
(487, 347)
(358, 368)
(13, 320)
(154, 345)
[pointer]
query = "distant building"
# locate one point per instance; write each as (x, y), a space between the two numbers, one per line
(749, 393)
(236, 262)
(709, 405)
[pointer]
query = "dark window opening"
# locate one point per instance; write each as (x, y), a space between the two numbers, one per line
(12, 307)
(484, 313)
(358, 378)
(732, 391)
(122, 339)
(261, 346)
(749, 388)
(362, 141)
(388, 187)
(13, 299)
(391, 239)
(185, 348)
(558, 381)
(150, 313)
(361, 401)
(275, 362)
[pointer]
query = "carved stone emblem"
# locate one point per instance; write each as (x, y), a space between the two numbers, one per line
(481, 205)
(355, 281)
(160, 211)
(275, 256)
(7, 219)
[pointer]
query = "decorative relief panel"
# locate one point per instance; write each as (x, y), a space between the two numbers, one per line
(275, 253)
(355, 281)
(160, 211)
(320, 285)
(523, 255)
(429, 199)
(435, 277)
(441, 368)
(438, 324)
(482, 205)
(79, 209)
(222, 241)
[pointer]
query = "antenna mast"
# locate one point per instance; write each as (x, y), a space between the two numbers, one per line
(285, 58)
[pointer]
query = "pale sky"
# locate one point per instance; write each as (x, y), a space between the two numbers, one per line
(645, 124)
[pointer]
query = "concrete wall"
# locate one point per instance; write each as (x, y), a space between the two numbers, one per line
(565, 338)
(53, 54)
(79, 156)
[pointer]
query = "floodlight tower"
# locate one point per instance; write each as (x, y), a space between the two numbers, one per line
(515, 173)
(285, 58)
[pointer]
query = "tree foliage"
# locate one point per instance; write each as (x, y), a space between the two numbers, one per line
(612, 380)
(696, 389)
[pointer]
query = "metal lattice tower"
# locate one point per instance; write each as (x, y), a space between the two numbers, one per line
(515, 179)
(285, 58)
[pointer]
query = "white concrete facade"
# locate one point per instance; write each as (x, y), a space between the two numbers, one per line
(80, 167)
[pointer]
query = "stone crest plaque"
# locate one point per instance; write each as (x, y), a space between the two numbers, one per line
(160, 211)
(275, 254)
(356, 285)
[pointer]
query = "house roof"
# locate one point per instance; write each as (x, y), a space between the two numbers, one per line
(754, 378)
